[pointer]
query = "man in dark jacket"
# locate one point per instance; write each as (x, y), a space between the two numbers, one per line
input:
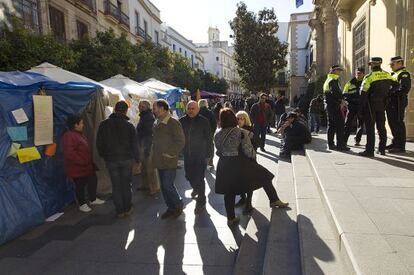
(144, 139)
(375, 90)
(205, 112)
(296, 134)
(315, 110)
(352, 96)
(333, 101)
(280, 108)
(117, 145)
(198, 150)
(261, 115)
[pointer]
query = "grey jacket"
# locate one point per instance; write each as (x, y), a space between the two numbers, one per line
(227, 142)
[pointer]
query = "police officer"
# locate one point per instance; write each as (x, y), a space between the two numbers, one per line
(333, 99)
(352, 96)
(397, 103)
(374, 92)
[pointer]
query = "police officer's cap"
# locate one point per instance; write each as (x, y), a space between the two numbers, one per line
(396, 59)
(375, 60)
(336, 68)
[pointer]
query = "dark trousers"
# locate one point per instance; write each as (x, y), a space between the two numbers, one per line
(335, 127)
(121, 177)
(89, 182)
(259, 132)
(352, 115)
(314, 121)
(169, 191)
(376, 118)
(195, 168)
(291, 143)
(395, 118)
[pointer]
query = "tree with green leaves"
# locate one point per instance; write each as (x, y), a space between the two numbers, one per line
(258, 52)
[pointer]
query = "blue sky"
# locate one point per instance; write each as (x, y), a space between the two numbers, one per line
(193, 17)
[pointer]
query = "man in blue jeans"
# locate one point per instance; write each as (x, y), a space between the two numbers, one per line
(168, 142)
(116, 142)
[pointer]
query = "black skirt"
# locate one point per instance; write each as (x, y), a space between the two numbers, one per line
(238, 175)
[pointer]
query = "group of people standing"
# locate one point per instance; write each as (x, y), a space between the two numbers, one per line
(156, 144)
(369, 98)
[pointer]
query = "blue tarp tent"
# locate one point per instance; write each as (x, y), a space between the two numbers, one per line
(32, 191)
(171, 96)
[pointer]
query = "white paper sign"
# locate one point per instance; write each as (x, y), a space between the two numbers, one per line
(43, 119)
(20, 116)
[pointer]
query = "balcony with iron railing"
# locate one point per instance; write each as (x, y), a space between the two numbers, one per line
(115, 12)
(140, 32)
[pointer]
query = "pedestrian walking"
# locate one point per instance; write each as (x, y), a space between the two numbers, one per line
(198, 150)
(116, 142)
(205, 112)
(261, 115)
(237, 172)
(168, 142)
(78, 163)
(352, 95)
(216, 111)
(145, 126)
(375, 90)
(315, 111)
(398, 102)
(333, 100)
(280, 108)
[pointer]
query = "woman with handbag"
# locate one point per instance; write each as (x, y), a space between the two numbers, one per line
(237, 170)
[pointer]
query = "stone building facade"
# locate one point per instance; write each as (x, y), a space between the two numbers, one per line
(382, 28)
(298, 30)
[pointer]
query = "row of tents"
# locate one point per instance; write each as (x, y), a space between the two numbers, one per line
(32, 191)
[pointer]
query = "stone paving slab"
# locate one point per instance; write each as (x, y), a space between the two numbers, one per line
(370, 203)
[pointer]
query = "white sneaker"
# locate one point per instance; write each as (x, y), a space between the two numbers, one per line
(85, 208)
(97, 202)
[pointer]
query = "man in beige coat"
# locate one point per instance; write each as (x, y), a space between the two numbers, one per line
(168, 142)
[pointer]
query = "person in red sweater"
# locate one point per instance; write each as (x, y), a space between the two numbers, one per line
(78, 163)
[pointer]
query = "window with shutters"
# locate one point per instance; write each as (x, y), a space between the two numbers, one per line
(57, 23)
(360, 45)
(27, 10)
(82, 29)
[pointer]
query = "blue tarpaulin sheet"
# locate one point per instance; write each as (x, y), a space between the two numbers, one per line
(171, 96)
(31, 191)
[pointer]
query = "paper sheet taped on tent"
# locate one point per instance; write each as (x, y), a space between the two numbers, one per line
(43, 119)
(28, 154)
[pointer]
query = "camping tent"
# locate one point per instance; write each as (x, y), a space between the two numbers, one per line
(109, 97)
(157, 85)
(31, 191)
(60, 75)
(132, 92)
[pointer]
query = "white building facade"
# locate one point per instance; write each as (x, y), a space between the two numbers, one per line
(298, 32)
(177, 43)
(145, 21)
(219, 60)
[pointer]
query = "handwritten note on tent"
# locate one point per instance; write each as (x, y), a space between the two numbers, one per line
(43, 119)
(17, 133)
(20, 116)
(28, 154)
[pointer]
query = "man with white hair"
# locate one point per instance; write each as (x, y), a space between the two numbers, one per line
(205, 112)
(197, 151)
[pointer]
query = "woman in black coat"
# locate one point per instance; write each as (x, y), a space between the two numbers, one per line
(237, 170)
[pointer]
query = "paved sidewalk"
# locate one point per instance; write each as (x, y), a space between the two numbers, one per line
(98, 243)
(371, 201)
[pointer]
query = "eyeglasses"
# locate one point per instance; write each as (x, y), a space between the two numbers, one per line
(240, 118)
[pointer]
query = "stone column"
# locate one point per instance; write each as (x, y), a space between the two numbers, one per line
(318, 36)
(330, 21)
(409, 121)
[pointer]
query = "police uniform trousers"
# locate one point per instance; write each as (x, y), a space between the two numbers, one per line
(375, 118)
(335, 126)
(352, 114)
(395, 118)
